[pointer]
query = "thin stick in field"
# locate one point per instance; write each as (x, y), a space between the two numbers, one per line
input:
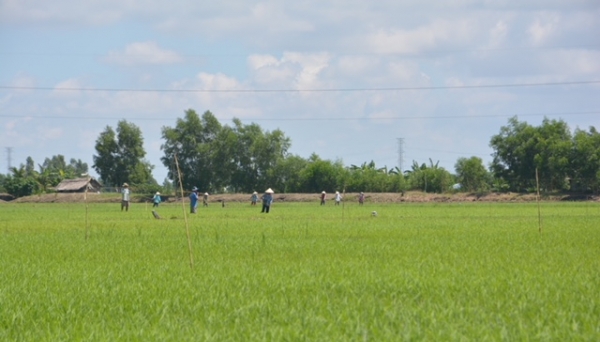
(86, 213)
(537, 182)
(187, 226)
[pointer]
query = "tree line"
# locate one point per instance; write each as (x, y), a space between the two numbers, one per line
(27, 179)
(240, 158)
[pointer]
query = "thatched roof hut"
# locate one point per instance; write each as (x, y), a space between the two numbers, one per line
(79, 185)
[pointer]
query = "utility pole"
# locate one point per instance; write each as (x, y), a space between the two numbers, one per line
(8, 158)
(401, 154)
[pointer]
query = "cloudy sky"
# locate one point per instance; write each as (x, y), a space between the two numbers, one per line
(343, 79)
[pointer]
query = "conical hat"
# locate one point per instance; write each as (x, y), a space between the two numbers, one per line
(269, 191)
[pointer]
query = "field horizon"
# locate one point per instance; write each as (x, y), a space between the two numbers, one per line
(350, 197)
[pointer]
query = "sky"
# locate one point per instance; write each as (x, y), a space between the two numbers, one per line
(343, 79)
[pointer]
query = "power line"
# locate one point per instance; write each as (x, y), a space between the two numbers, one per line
(334, 54)
(316, 90)
(437, 117)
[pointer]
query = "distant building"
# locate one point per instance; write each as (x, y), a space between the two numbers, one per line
(79, 185)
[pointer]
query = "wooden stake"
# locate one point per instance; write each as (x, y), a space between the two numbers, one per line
(86, 214)
(187, 226)
(343, 204)
(537, 182)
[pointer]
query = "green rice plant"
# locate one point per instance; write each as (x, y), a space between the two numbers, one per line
(469, 271)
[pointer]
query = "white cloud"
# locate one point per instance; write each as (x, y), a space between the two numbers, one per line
(217, 82)
(50, 133)
(498, 34)
(572, 62)
(22, 83)
(260, 61)
(406, 72)
(10, 125)
(268, 70)
(311, 66)
(454, 82)
(293, 71)
(543, 27)
(357, 65)
(275, 16)
(436, 35)
(68, 88)
(143, 53)
(62, 12)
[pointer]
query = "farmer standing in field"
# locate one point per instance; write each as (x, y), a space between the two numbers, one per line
(156, 199)
(253, 198)
(361, 198)
(338, 198)
(323, 195)
(194, 200)
(125, 197)
(205, 199)
(267, 200)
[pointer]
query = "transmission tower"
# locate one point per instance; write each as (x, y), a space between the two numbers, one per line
(401, 154)
(8, 157)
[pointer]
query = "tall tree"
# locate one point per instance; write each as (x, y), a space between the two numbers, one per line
(46, 178)
(61, 170)
(585, 160)
(287, 174)
(266, 151)
(471, 174)
(78, 167)
(322, 175)
(21, 182)
(212, 156)
(520, 148)
(29, 166)
(432, 178)
(513, 156)
(554, 149)
(245, 174)
(190, 141)
(368, 177)
(120, 156)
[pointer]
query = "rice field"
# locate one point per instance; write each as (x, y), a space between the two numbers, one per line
(304, 272)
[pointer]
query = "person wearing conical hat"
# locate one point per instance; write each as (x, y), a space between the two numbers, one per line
(125, 196)
(361, 198)
(323, 197)
(254, 198)
(205, 199)
(156, 199)
(267, 200)
(194, 200)
(338, 198)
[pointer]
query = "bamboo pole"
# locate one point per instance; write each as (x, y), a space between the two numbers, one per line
(343, 202)
(87, 233)
(537, 182)
(187, 226)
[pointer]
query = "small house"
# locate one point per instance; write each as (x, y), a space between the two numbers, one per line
(79, 185)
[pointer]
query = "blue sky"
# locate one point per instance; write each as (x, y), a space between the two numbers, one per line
(346, 78)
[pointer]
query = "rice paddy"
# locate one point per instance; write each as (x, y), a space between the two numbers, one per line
(454, 272)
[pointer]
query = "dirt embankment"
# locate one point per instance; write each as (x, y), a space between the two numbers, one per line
(410, 197)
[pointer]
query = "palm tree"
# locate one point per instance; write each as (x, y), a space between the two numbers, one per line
(21, 172)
